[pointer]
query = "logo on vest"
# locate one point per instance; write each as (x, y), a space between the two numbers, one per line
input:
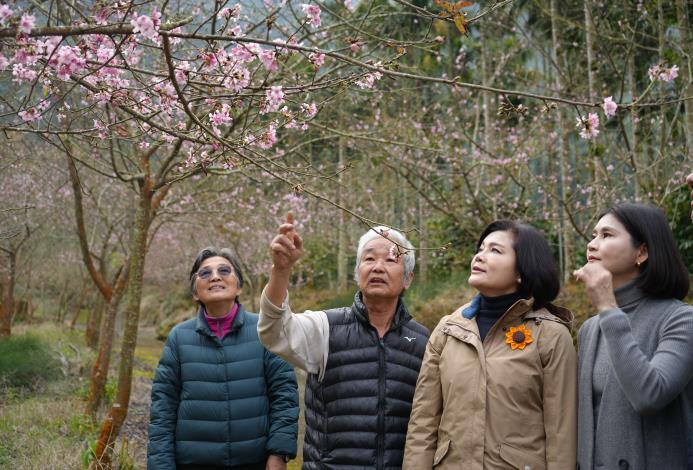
(408, 338)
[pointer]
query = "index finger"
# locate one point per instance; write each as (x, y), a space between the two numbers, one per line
(290, 217)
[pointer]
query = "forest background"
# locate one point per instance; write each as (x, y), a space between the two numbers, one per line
(134, 133)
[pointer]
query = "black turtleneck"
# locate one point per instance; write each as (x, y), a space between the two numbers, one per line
(491, 309)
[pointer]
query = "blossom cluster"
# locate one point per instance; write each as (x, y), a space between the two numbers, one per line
(147, 26)
(662, 73)
(589, 126)
(312, 13)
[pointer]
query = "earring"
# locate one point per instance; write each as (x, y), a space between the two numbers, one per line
(638, 263)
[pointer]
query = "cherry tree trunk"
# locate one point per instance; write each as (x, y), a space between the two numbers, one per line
(112, 423)
(99, 371)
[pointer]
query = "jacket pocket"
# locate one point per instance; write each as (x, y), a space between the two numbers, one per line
(520, 459)
(441, 452)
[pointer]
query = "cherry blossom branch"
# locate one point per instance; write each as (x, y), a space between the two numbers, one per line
(88, 29)
(454, 82)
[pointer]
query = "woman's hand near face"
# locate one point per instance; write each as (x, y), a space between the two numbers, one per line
(598, 282)
(287, 246)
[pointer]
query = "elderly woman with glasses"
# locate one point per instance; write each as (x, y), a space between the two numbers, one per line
(219, 398)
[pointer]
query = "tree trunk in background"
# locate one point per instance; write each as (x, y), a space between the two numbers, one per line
(99, 371)
(422, 255)
(91, 332)
(78, 306)
(29, 297)
(342, 191)
(62, 301)
(564, 235)
(112, 423)
(589, 46)
(488, 104)
(7, 308)
(657, 177)
(686, 76)
(634, 128)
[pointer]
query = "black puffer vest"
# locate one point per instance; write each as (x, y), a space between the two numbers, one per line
(357, 416)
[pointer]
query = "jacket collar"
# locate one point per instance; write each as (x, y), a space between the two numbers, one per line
(522, 309)
(401, 317)
(516, 310)
(202, 327)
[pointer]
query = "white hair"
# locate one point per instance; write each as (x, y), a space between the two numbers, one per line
(397, 237)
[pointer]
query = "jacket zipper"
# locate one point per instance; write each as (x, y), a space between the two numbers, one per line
(381, 402)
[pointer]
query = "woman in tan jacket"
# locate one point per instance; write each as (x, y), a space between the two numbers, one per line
(497, 388)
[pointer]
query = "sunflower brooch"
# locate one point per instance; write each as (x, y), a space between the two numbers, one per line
(518, 337)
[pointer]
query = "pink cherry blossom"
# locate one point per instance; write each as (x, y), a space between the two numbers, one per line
(309, 110)
(317, 59)
(238, 77)
(269, 60)
(31, 114)
(23, 74)
(147, 26)
(68, 61)
(102, 15)
(268, 138)
(368, 80)
(355, 46)
(312, 13)
(609, 107)
(660, 72)
(5, 13)
(230, 13)
(23, 56)
(275, 98)
(670, 74)
(589, 126)
(220, 116)
(241, 53)
(27, 23)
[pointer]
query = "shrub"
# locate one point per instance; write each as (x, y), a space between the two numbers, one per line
(26, 361)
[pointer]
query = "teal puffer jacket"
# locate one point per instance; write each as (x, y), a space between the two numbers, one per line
(221, 403)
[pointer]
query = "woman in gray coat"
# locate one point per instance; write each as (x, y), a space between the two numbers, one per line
(636, 355)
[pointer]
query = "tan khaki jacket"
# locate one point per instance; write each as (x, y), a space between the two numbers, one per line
(489, 406)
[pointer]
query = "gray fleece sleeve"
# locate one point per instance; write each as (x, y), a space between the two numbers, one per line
(650, 384)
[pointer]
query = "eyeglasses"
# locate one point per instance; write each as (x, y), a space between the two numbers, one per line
(223, 271)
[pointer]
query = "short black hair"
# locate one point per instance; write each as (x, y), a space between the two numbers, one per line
(210, 252)
(534, 261)
(663, 274)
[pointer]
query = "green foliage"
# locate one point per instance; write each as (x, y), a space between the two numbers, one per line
(26, 361)
(678, 209)
(88, 454)
(123, 456)
(82, 425)
(110, 390)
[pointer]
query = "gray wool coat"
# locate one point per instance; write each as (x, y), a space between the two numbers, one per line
(645, 417)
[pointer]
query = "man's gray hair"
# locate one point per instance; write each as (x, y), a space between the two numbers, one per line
(405, 247)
